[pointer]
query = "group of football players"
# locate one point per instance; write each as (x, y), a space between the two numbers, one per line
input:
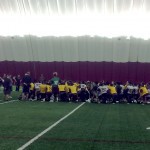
(56, 90)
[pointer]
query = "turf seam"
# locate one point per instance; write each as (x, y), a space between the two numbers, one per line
(77, 140)
(101, 123)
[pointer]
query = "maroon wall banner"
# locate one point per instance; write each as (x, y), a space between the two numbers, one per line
(81, 71)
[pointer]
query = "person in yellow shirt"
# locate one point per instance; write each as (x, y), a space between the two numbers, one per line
(48, 91)
(77, 85)
(43, 87)
(113, 93)
(67, 86)
(63, 89)
(143, 93)
(31, 91)
(73, 92)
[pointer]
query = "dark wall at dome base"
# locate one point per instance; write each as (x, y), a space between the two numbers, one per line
(95, 71)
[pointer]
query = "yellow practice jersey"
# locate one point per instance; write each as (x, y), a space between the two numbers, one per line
(48, 88)
(62, 87)
(76, 84)
(31, 86)
(143, 90)
(43, 88)
(73, 89)
(67, 87)
(112, 89)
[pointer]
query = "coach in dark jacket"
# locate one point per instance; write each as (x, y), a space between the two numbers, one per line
(26, 85)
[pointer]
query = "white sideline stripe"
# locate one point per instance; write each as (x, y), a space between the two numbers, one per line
(48, 129)
(12, 91)
(148, 128)
(11, 101)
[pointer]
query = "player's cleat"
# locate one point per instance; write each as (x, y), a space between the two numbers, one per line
(89, 100)
(43, 100)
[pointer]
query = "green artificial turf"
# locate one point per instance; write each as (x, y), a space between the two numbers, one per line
(100, 127)
(91, 127)
(21, 121)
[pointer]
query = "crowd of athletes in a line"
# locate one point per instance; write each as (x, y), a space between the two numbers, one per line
(55, 90)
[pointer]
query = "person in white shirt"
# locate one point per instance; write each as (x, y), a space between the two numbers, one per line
(103, 93)
(83, 94)
(37, 90)
(130, 93)
(135, 93)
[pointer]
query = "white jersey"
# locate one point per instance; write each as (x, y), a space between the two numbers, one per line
(83, 86)
(37, 86)
(103, 89)
(122, 88)
(136, 89)
(130, 89)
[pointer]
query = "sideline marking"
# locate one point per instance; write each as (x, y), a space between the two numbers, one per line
(49, 128)
(148, 128)
(11, 101)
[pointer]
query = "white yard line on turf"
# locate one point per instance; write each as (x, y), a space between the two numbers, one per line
(148, 128)
(11, 101)
(48, 129)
